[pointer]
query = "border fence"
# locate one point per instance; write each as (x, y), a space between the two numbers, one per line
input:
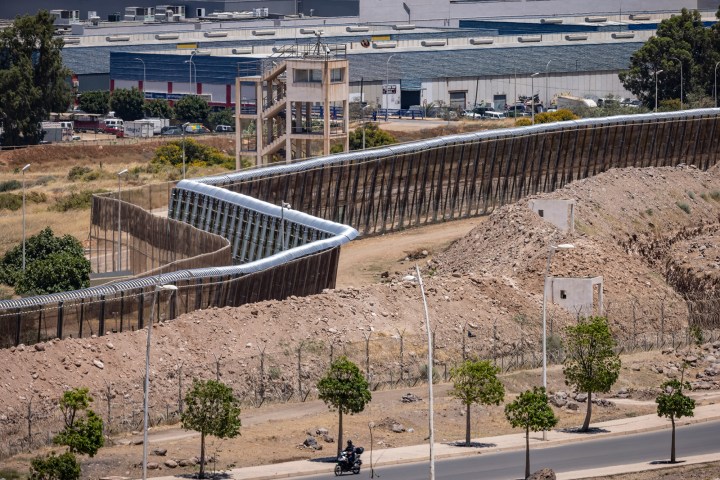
(374, 191)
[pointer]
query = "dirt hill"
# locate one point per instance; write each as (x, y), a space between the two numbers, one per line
(628, 225)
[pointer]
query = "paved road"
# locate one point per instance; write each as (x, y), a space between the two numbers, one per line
(646, 447)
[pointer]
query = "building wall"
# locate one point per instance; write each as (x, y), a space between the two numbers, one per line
(579, 294)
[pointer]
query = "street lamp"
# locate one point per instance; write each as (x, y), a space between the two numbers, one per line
(283, 206)
(157, 289)
(23, 209)
(715, 85)
(190, 68)
(387, 80)
(547, 98)
(119, 255)
(656, 88)
(429, 374)
(532, 96)
(681, 80)
(551, 250)
(144, 79)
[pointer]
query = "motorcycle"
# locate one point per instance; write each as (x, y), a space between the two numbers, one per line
(343, 463)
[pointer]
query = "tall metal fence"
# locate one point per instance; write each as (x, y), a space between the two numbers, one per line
(374, 191)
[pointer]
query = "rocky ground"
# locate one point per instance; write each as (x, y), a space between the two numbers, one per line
(628, 227)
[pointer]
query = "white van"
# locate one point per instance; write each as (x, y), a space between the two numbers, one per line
(492, 115)
(66, 125)
(114, 126)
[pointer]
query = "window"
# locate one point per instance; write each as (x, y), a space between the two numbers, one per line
(541, 213)
(302, 75)
(336, 75)
(563, 295)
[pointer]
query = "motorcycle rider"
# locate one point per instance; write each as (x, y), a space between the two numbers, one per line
(350, 450)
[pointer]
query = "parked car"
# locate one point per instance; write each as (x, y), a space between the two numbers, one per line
(493, 115)
(472, 114)
(224, 129)
(174, 130)
(195, 128)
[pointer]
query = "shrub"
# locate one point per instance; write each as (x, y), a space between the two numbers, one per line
(196, 154)
(691, 194)
(523, 122)
(683, 206)
(55, 467)
(75, 201)
(13, 201)
(715, 195)
(78, 172)
(10, 185)
(562, 115)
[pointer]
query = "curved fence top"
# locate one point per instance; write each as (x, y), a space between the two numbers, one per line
(419, 145)
(340, 234)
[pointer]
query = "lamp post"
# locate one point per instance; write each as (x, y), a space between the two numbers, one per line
(387, 80)
(144, 78)
(119, 255)
(190, 68)
(681, 80)
(431, 439)
(547, 98)
(283, 206)
(657, 72)
(551, 250)
(157, 289)
(23, 214)
(532, 96)
(715, 85)
(183, 151)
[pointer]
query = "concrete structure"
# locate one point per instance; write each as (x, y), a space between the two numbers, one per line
(560, 213)
(581, 296)
(283, 100)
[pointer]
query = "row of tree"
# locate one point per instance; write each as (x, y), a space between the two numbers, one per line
(212, 408)
(591, 366)
(130, 104)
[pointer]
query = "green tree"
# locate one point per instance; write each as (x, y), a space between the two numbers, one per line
(343, 388)
(685, 38)
(476, 382)
(96, 101)
(672, 403)
(374, 137)
(225, 116)
(33, 81)
(211, 409)
(55, 467)
(530, 411)
(61, 265)
(192, 108)
(591, 364)
(159, 108)
(82, 433)
(127, 103)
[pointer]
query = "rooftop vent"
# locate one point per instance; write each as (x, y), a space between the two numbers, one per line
(167, 36)
(307, 31)
(71, 41)
(384, 44)
(623, 35)
(259, 33)
(595, 19)
(637, 16)
(481, 41)
(216, 34)
(530, 38)
(575, 37)
(357, 29)
(241, 51)
(118, 38)
(433, 43)
(553, 21)
(406, 26)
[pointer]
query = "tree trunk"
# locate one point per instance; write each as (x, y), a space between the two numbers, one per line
(467, 425)
(340, 434)
(586, 424)
(202, 455)
(527, 452)
(672, 444)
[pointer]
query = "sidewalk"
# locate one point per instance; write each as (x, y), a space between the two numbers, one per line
(420, 453)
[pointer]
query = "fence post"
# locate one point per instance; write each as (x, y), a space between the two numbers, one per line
(60, 320)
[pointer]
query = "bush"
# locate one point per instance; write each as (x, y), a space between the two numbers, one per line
(10, 185)
(196, 155)
(683, 206)
(78, 172)
(75, 201)
(715, 195)
(55, 467)
(523, 122)
(562, 115)
(13, 201)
